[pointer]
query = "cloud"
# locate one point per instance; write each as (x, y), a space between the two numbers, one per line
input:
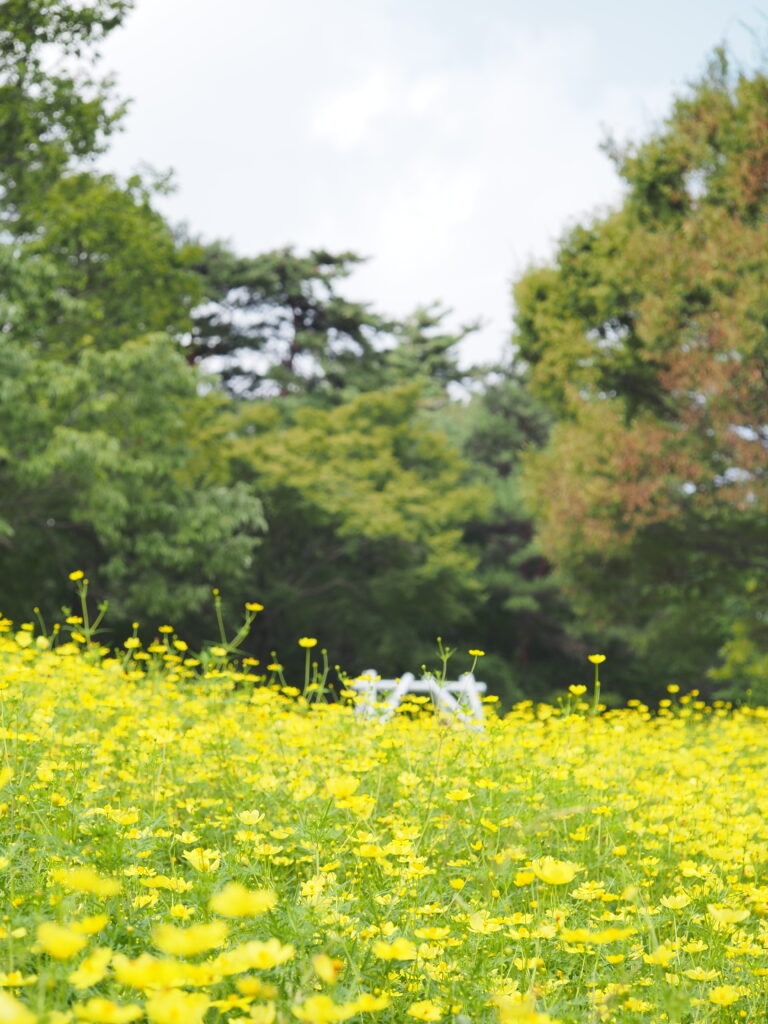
(452, 148)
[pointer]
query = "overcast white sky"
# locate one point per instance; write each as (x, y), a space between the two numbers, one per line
(451, 141)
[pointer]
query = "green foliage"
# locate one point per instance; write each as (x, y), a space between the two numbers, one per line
(366, 503)
(520, 620)
(112, 266)
(52, 112)
(279, 327)
(647, 338)
(98, 472)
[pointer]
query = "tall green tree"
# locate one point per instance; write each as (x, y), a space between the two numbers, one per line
(521, 620)
(101, 469)
(277, 325)
(53, 112)
(647, 337)
(366, 503)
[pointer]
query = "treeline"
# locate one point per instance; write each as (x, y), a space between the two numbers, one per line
(176, 416)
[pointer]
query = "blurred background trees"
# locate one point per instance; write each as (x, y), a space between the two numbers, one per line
(176, 416)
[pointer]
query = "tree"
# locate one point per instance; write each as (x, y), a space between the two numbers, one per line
(647, 337)
(521, 620)
(102, 469)
(53, 113)
(112, 263)
(366, 503)
(275, 325)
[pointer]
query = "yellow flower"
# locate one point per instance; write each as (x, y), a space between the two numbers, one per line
(15, 979)
(78, 574)
(198, 938)
(662, 956)
(266, 1013)
(432, 932)
(722, 917)
(596, 659)
(724, 995)
(147, 972)
(457, 795)
(599, 938)
(235, 900)
(250, 817)
(676, 901)
(323, 1010)
(307, 641)
(341, 786)
(254, 606)
(87, 880)
(367, 1003)
(203, 860)
(476, 653)
(14, 1012)
(104, 1011)
(253, 955)
(218, 651)
(555, 872)
(425, 1010)
(519, 1009)
(482, 923)
(576, 689)
(92, 969)
(326, 968)
(58, 941)
(175, 1007)
(400, 949)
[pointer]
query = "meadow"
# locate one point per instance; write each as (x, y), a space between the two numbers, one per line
(187, 840)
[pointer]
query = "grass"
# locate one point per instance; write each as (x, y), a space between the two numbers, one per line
(183, 843)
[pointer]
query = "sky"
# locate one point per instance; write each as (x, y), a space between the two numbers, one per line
(449, 141)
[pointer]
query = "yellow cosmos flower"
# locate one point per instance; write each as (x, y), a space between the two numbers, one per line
(483, 924)
(15, 979)
(254, 606)
(58, 941)
(724, 995)
(341, 786)
(92, 969)
(265, 1013)
(235, 900)
(723, 917)
(253, 955)
(203, 860)
(326, 968)
(432, 932)
(14, 1012)
(104, 1011)
(519, 1009)
(476, 653)
(307, 641)
(82, 879)
(400, 949)
(458, 795)
(676, 901)
(596, 659)
(78, 574)
(367, 1003)
(599, 938)
(251, 817)
(425, 1010)
(198, 938)
(176, 1007)
(555, 872)
(323, 1010)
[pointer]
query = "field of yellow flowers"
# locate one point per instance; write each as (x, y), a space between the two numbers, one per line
(183, 844)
